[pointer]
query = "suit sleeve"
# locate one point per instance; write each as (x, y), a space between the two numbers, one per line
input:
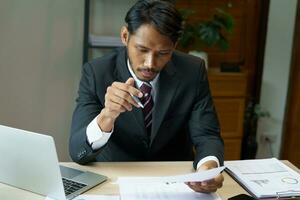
(203, 124)
(87, 108)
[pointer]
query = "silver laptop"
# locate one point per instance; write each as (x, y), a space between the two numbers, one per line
(29, 161)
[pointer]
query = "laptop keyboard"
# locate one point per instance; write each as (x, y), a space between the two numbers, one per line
(71, 186)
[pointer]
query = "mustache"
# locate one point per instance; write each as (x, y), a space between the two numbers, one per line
(153, 70)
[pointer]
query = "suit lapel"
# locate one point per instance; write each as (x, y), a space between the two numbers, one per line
(122, 75)
(167, 85)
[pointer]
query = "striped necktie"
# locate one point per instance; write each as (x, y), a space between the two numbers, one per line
(148, 103)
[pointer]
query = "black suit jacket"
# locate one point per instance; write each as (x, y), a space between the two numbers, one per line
(184, 114)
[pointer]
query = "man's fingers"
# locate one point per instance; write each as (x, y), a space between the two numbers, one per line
(200, 188)
(207, 186)
(111, 105)
(127, 88)
(219, 180)
(118, 98)
(209, 182)
(116, 104)
(130, 82)
(196, 187)
(123, 102)
(121, 95)
(125, 91)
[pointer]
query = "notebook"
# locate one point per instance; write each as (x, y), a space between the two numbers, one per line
(265, 178)
(29, 161)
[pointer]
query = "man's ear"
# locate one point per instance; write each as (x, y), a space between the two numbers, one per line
(124, 35)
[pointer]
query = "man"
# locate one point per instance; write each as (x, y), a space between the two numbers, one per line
(146, 101)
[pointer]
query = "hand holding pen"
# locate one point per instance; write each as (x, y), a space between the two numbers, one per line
(119, 98)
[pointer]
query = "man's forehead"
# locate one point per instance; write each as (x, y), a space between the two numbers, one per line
(150, 42)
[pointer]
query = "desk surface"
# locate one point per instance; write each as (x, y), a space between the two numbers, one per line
(117, 169)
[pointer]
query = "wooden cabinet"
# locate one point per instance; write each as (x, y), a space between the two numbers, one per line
(244, 41)
(229, 94)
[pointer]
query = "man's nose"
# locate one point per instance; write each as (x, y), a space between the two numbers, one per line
(149, 61)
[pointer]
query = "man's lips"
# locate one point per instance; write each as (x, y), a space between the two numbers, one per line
(148, 73)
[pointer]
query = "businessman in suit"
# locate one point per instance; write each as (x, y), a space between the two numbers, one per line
(174, 111)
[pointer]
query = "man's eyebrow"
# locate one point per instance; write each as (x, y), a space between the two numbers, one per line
(165, 50)
(141, 46)
(162, 50)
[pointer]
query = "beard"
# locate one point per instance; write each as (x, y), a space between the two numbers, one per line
(142, 69)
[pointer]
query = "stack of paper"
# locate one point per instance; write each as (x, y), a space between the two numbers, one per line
(168, 187)
(162, 191)
(265, 178)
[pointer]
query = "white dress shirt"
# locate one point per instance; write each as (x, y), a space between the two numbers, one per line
(98, 138)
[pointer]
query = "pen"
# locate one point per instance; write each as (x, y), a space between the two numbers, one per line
(137, 100)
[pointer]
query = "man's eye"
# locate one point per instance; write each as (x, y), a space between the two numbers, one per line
(143, 50)
(163, 53)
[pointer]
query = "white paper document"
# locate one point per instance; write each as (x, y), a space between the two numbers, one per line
(266, 177)
(167, 187)
(161, 191)
(191, 177)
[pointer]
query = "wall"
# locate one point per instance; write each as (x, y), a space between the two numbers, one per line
(40, 53)
(276, 69)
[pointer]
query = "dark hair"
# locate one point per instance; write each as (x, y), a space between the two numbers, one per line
(161, 14)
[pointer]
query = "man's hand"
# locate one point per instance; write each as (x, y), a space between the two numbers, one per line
(210, 185)
(117, 100)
